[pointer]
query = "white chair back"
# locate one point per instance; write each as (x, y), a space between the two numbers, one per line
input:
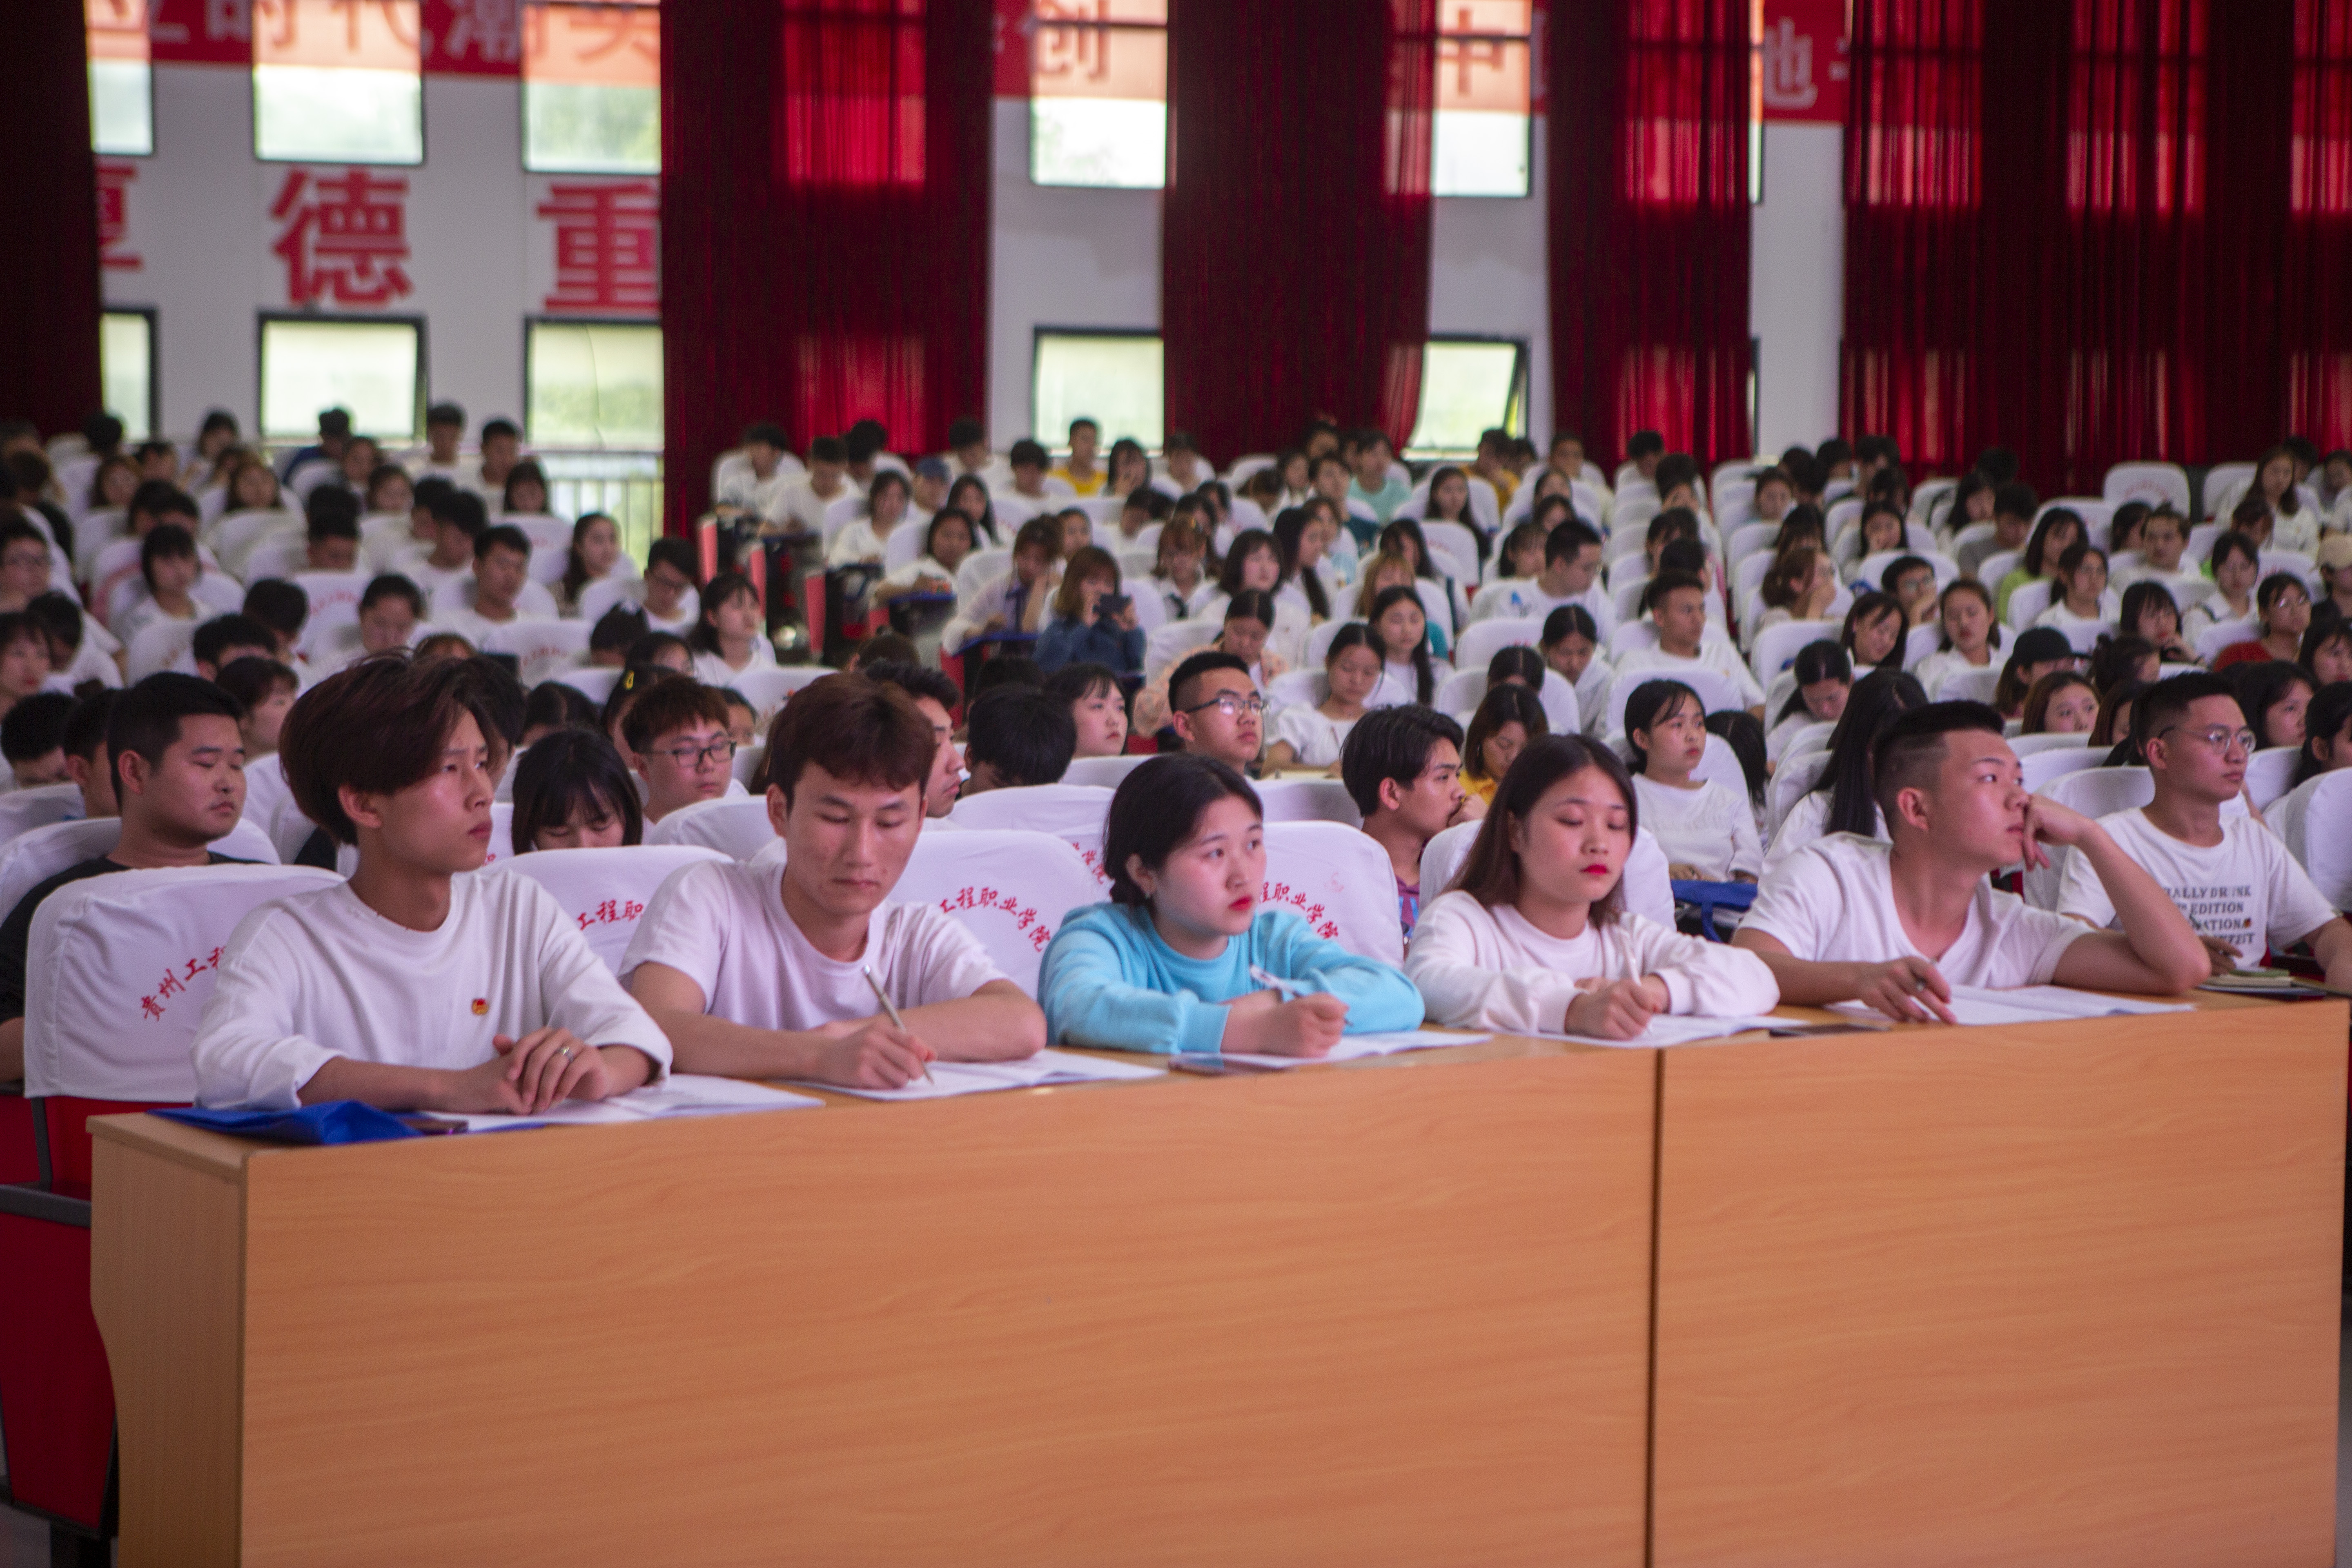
(1630, 637)
(1805, 743)
(1168, 645)
(1795, 776)
(737, 828)
(24, 810)
(1777, 647)
(2028, 600)
(1461, 692)
(748, 760)
(2270, 773)
(2098, 792)
(1453, 548)
(2327, 838)
(769, 690)
(597, 598)
(2043, 768)
(2223, 634)
(548, 565)
(235, 535)
(2296, 564)
(334, 604)
(1720, 764)
(1073, 813)
(1921, 641)
(2084, 637)
(458, 594)
(2027, 745)
(604, 891)
(1104, 772)
(542, 650)
(1338, 881)
(1969, 685)
(982, 567)
(595, 682)
(31, 859)
(1009, 887)
(1294, 686)
(1997, 565)
(545, 533)
(278, 555)
(118, 971)
(1481, 640)
(2220, 479)
(2149, 482)
(1713, 689)
(1308, 800)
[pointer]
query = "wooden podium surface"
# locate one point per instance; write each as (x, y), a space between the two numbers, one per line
(1990, 1295)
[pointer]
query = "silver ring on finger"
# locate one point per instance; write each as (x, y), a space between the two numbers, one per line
(566, 1051)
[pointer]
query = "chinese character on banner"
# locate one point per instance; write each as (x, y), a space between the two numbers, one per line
(607, 246)
(344, 238)
(472, 38)
(114, 215)
(1802, 59)
(201, 32)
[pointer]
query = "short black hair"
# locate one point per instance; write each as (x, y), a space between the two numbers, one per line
(280, 605)
(445, 414)
(160, 497)
(505, 536)
(1074, 682)
(1187, 677)
(36, 726)
(1563, 542)
(250, 681)
(378, 726)
(915, 680)
(617, 630)
(678, 555)
(552, 705)
(1391, 744)
(1157, 806)
(392, 585)
(649, 649)
(2165, 703)
(1912, 746)
(84, 732)
(328, 505)
(1026, 453)
(146, 717)
(966, 432)
(566, 771)
(1570, 620)
(221, 633)
(1007, 669)
(1643, 443)
(1899, 565)
(57, 615)
(165, 542)
(461, 510)
(1027, 734)
(2015, 498)
(863, 440)
(422, 492)
(492, 428)
(764, 431)
(1669, 581)
(828, 449)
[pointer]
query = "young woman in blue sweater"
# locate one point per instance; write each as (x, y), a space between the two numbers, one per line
(1172, 963)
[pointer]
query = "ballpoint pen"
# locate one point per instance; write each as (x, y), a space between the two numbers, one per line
(891, 1011)
(1288, 990)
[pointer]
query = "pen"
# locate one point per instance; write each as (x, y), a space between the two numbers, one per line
(890, 1010)
(1288, 990)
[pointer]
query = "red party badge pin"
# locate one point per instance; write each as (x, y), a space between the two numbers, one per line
(482, 1005)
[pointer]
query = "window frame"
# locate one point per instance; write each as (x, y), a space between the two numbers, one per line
(263, 319)
(1039, 334)
(533, 322)
(254, 67)
(1439, 39)
(90, 58)
(1516, 408)
(1029, 47)
(154, 359)
(522, 81)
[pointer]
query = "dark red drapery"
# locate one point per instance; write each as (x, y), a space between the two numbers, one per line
(2097, 231)
(1648, 214)
(824, 221)
(1295, 243)
(49, 267)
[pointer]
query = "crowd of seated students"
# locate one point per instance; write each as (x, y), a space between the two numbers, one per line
(388, 751)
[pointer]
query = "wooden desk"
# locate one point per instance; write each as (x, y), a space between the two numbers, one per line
(1391, 1312)
(1989, 1295)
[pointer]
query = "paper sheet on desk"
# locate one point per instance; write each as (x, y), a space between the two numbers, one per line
(1373, 1043)
(681, 1094)
(949, 1080)
(1975, 1007)
(1673, 1029)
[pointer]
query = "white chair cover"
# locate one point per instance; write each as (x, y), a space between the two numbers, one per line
(1481, 640)
(1776, 646)
(1104, 771)
(2270, 773)
(748, 760)
(544, 648)
(1171, 643)
(1338, 881)
(2223, 634)
(1073, 813)
(458, 594)
(1308, 800)
(1009, 887)
(2046, 767)
(22, 811)
(595, 682)
(2220, 479)
(1969, 685)
(1795, 776)
(769, 690)
(735, 827)
(2028, 600)
(119, 969)
(606, 890)
(2149, 482)
(334, 603)
(33, 857)
(2327, 838)
(2027, 745)
(545, 533)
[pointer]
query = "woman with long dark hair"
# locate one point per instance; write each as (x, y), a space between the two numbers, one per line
(1840, 800)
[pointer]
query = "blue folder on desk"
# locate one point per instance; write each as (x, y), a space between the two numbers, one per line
(329, 1122)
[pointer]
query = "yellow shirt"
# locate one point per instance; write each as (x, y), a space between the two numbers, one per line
(1091, 485)
(1484, 788)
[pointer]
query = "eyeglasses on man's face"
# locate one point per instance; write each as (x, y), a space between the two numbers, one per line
(1231, 704)
(2219, 738)
(691, 756)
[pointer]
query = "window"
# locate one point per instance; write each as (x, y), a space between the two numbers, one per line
(1468, 386)
(1479, 141)
(337, 81)
(126, 370)
(372, 368)
(1116, 380)
(595, 385)
(121, 83)
(1099, 93)
(592, 88)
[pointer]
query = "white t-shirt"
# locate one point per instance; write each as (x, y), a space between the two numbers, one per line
(712, 668)
(1637, 664)
(745, 489)
(1489, 969)
(722, 924)
(1944, 663)
(2110, 607)
(1710, 828)
(2246, 890)
(416, 565)
(474, 625)
(1803, 826)
(801, 510)
(859, 545)
(1314, 736)
(318, 975)
(1523, 598)
(1832, 902)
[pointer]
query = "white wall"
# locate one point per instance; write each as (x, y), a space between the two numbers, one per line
(1488, 277)
(1796, 284)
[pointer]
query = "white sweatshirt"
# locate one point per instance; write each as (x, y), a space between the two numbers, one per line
(1489, 969)
(318, 975)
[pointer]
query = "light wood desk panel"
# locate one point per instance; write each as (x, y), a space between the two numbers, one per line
(2004, 1295)
(1396, 1314)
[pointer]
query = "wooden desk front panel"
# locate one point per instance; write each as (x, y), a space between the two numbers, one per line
(1976, 1297)
(1345, 1317)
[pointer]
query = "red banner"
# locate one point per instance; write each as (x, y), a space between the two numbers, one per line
(201, 32)
(471, 37)
(1802, 56)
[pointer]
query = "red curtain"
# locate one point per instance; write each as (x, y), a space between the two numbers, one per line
(1295, 242)
(49, 269)
(1648, 165)
(2315, 283)
(824, 221)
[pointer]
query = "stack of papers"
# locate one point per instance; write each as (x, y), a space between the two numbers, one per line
(1373, 1043)
(1671, 1030)
(949, 1080)
(681, 1094)
(2030, 1004)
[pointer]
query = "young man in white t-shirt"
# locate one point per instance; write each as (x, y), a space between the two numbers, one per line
(1677, 603)
(1570, 575)
(501, 572)
(1403, 767)
(1899, 925)
(679, 745)
(2234, 881)
(759, 971)
(411, 986)
(800, 505)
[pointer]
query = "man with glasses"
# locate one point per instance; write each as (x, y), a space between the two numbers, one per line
(678, 736)
(1897, 925)
(2234, 881)
(1217, 711)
